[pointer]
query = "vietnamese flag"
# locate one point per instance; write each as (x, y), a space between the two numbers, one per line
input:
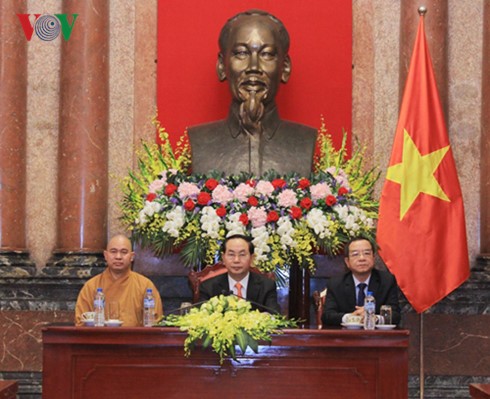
(421, 228)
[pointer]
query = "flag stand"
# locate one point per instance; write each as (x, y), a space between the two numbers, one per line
(421, 352)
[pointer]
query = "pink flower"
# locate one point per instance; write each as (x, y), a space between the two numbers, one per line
(287, 198)
(157, 185)
(265, 188)
(188, 190)
(319, 190)
(243, 191)
(222, 195)
(258, 216)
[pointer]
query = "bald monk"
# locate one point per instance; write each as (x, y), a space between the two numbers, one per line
(119, 284)
(254, 59)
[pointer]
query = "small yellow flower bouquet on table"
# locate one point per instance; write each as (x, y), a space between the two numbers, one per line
(224, 322)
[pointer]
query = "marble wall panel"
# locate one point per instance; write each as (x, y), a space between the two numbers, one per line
(21, 343)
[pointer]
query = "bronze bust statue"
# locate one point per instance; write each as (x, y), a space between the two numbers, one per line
(254, 59)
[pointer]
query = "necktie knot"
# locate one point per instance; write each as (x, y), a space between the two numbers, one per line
(360, 294)
(238, 287)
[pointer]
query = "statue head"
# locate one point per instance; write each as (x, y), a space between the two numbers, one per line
(254, 59)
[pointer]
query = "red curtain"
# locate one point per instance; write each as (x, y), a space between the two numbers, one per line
(189, 92)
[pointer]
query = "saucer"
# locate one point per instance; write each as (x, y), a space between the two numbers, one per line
(352, 326)
(113, 323)
(385, 326)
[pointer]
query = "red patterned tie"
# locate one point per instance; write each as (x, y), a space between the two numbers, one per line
(238, 287)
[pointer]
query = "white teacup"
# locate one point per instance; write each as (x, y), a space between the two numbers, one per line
(354, 319)
(88, 316)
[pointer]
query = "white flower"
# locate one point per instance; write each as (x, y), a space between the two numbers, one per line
(319, 223)
(260, 238)
(286, 230)
(175, 221)
(233, 225)
(149, 209)
(210, 222)
(353, 218)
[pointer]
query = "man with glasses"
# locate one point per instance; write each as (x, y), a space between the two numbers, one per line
(346, 293)
(238, 255)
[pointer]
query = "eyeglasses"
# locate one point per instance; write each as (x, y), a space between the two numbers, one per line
(357, 254)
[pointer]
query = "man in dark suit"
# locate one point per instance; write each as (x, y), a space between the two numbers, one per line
(254, 59)
(345, 294)
(237, 254)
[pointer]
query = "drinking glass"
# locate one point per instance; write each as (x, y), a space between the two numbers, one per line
(113, 311)
(385, 313)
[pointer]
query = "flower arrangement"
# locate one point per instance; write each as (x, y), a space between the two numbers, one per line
(224, 322)
(288, 217)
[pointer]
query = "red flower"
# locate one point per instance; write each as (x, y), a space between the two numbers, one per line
(278, 183)
(221, 211)
(244, 219)
(250, 182)
(330, 200)
(253, 201)
(189, 205)
(306, 203)
(203, 198)
(170, 189)
(343, 191)
(150, 197)
(211, 184)
(304, 183)
(296, 212)
(272, 216)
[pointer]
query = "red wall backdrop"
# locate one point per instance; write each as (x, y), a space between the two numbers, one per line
(189, 92)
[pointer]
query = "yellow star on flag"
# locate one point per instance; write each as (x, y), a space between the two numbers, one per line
(415, 174)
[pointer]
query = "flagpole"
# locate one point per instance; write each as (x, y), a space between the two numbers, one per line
(422, 10)
(421, 352)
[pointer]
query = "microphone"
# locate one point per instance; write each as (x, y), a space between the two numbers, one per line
(186, 308)
(256, 304)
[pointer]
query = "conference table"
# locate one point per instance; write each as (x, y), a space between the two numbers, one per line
(90, 362)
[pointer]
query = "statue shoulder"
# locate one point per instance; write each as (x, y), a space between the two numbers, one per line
(306, 132)
(206, 129)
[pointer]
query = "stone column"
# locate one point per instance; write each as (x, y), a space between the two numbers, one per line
(83, 137)
(13, 108)
(485, 143)
(436, 32)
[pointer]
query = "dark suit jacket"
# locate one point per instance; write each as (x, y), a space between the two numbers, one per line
(341, 296)
(260, 289)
